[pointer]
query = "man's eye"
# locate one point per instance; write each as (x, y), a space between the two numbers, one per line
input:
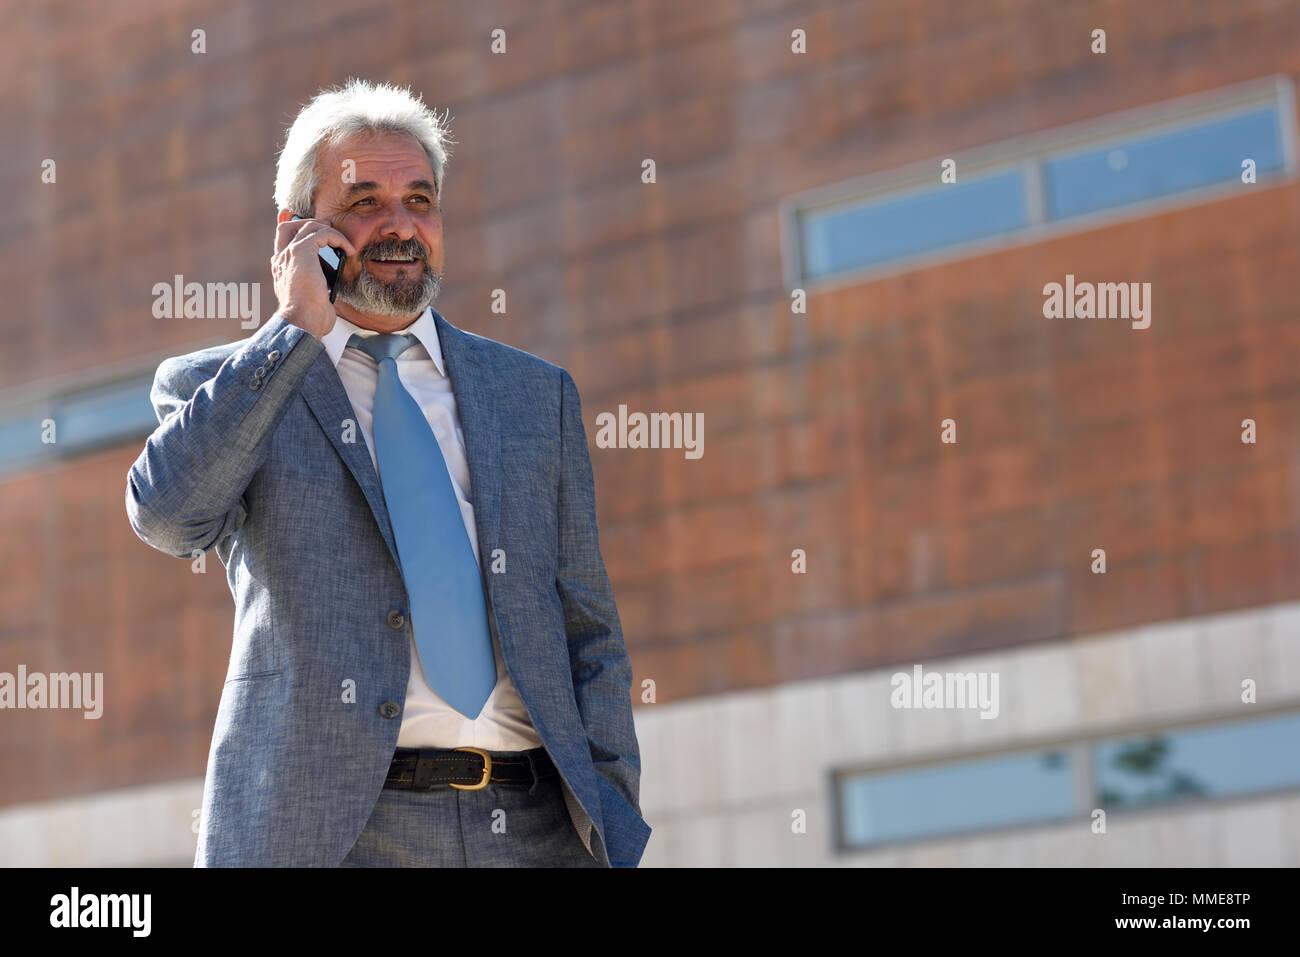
(360, 201)
(420, 199)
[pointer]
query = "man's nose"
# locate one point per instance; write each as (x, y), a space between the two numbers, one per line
(398, 224)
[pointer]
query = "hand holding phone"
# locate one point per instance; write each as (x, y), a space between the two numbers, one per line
(306, 292)
(332, 259)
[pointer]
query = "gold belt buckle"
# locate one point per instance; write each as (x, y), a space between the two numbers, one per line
(487, 771)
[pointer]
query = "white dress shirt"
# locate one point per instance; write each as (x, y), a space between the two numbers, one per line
(428, 721)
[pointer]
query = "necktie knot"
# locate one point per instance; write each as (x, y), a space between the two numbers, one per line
(388, 345)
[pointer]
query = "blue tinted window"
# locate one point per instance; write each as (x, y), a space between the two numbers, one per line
(1207, 762)
(20, 441)
(106, 415)
(82, 421)
(961, 796)
(1162, 164)
(847, 238)
(1211, 762)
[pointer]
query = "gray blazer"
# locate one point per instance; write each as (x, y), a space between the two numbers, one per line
(250, 457)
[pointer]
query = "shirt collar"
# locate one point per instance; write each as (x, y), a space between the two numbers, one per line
(424, 329)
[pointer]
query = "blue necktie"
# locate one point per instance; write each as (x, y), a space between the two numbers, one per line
(448, 609)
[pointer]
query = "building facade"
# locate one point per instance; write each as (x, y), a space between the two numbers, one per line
(830, 228)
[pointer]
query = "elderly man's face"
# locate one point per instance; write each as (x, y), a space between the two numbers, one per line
(388, 208)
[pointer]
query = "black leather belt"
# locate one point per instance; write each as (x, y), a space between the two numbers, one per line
(466, 769)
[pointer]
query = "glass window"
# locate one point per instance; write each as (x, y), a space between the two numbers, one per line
(959, 796)
(106, 415)
(83, 421)
(1202, 762)
(840, 239)
(1217, 761)
(1035, 185)
(1163, 164)
(20, 441)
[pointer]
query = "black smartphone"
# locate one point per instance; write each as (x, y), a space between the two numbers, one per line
(331, 263)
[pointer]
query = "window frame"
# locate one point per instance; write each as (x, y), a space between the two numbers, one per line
(27, 405)
(1030, 152)
(1081, 751)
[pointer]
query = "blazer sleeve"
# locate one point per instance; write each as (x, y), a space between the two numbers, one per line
(602, 672)
(185, 491)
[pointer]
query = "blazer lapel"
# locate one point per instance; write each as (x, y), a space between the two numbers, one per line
(476, 407)
(329, 402)
(473, 386)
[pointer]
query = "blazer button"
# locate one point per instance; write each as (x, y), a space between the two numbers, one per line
(273, 355)
(259, 372)
(389, 709)
(396, 620)
(255, 384)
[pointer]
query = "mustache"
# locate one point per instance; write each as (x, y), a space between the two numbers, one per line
(392, 249)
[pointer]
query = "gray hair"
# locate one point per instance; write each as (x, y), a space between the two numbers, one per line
(356, 107)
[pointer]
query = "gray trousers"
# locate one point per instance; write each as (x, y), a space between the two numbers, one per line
(502, 825)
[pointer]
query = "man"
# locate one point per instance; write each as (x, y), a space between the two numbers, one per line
(428, 666)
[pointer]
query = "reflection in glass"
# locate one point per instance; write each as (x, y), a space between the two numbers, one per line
(1223, 760)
